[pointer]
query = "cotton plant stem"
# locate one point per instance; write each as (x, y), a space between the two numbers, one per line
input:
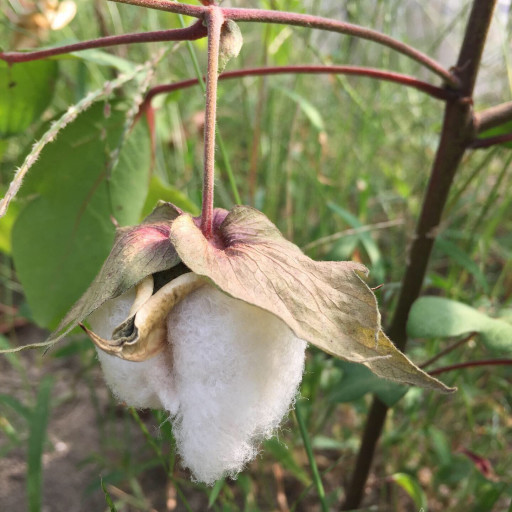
(447, 350)
(304, 20)
(191, 33)
(214, 21)
(311, 458)
(493, 116)
(220, 141)
(379, 74)
(471, 364)
(69, 116)
(491, 141)
(457, 133)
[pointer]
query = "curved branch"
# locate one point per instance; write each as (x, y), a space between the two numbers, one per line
(191, 33)
(491, 141)
(493, 116)
(389, 76)
(471, 364)
(305, 20)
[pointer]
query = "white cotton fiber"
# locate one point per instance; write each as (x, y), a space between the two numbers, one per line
(229, 375)
(138, 384)
(237, 369)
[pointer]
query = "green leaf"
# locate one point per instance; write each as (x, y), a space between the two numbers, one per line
(26, 89)
(461, 257)
(161, 191)
(61, 238)
(412, 487)
(358, 380)
(324, 303)
(307, 107)
(103, 58)
(502, 129)
(285, 456)
(365, 238)
(36, 440)
(437, 317)
(108, 498)
(214, 494)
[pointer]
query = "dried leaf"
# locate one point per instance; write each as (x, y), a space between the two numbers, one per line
(138, 252)
(324, 303)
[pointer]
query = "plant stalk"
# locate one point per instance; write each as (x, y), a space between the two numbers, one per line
(304, 20)
(311, 458)
(214, 21)
(457, 133)
(195, 31)
(379, 74)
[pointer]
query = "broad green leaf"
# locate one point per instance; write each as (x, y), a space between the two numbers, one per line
(412, 487)
(26, 89)
(103, 58)
(36, 440)
(502, 129)
(358, 380)
(61, 238)
(437, 317)
(159, 191)
(324, 303)
(6, 224)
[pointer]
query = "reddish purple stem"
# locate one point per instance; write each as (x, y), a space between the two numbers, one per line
(491, 141)
(470, 364)
(194, 31)
(409, 81)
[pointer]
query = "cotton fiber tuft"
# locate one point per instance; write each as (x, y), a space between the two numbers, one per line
(228, 376)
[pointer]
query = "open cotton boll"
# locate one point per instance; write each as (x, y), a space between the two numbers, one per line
(237, 369)
(138, 384)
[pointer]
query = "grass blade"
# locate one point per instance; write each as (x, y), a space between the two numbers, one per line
(36, 440)
(314, 469)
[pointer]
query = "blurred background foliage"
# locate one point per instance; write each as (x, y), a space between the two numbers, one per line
(340, 164)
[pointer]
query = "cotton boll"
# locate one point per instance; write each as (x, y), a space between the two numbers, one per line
(237, 369)
(138, 384)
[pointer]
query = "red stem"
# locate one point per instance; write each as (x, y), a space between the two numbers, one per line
(470, 364)
(304, 20)
(194, 31)
(215, 19)
(491, 141)
(409, 81)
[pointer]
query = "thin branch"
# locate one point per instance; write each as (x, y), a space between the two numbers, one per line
(471, 364)
(196, 11)
(214, 20)
(491, 141)
(457, 133)
(305, 20)
(447, 350)
(191, 33)
(493, 116)
(389, 76)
